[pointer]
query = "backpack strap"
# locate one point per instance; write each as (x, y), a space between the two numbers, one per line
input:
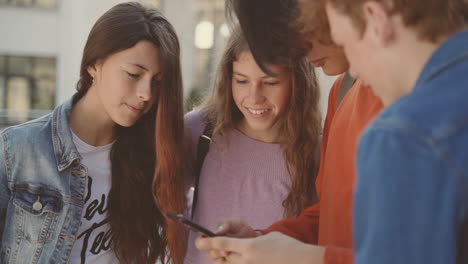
(202, 149)
(345, 85)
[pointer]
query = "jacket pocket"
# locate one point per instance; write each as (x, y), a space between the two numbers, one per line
(36, 212)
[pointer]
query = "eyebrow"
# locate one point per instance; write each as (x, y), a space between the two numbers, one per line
(138, 65)
(263, 77)
(142, 67)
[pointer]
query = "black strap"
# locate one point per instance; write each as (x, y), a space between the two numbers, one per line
(346, 84)
(202, 149)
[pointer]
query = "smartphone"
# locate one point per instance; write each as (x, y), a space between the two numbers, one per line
(195, 227)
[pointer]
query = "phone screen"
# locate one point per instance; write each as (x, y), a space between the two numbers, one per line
(195, 227)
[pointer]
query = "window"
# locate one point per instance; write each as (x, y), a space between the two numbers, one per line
(155, 3)
(43, 96)
(22, 2)
(2, 92)
(2, 65)
(46, 3)
(27, 86)
(2, 82)
(31, 3)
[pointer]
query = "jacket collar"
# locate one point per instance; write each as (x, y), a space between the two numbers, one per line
(62, 140)
(450, 53)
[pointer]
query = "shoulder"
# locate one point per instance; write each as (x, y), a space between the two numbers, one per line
(27, 135)
(396, 126)
(23, 133)
(420, 114)
(194, 118)
(397, 147)
(195, 123)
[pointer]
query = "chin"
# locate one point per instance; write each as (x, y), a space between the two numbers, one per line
(260, 127)
(331, 72)
(125, 123)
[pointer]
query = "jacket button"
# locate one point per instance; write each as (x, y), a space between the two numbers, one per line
(37, 206)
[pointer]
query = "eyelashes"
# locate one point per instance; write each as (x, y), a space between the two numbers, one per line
(132, 75)
(271, 83)
(241, 81)
(265, 83)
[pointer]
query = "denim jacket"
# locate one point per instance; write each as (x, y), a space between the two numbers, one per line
(42, 185)
(411, 200)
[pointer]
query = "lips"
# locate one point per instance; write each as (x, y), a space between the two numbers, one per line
(135, 109)
(258, 112)
(318, 63)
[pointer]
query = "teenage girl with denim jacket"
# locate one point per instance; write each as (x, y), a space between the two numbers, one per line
(79, 185)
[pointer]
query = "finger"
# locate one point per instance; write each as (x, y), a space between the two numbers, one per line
(220, 243)
(203, 243)
(223, 229)
(234, 258)
(229, 244)
(229, 226)
(220, 261)
(235, 228)
(215, 254)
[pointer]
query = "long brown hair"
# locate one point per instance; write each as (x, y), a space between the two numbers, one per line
(147, 169)
(301, 125)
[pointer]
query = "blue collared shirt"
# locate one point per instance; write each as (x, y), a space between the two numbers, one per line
(411, 200)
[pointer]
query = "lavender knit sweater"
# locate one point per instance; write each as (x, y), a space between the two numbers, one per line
(240, 178)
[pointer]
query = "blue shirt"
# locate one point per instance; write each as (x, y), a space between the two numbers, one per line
(411, 200)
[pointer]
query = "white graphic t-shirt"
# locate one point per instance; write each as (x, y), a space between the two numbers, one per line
(94, 238)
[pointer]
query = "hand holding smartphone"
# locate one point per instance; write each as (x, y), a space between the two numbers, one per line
(195, 227)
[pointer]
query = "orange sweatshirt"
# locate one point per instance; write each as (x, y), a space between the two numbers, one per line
(328, 223)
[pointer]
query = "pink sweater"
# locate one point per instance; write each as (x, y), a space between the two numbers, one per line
(240, 178)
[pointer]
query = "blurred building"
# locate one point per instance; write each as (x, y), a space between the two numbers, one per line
(41, 43)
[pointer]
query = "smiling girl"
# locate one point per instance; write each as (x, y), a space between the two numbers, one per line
(263, 153)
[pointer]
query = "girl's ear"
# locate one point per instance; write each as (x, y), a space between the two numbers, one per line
(94, 69)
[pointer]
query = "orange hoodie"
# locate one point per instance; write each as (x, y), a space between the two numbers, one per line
(328, 223)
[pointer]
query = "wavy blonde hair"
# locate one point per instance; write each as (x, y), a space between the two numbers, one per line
(300, 125)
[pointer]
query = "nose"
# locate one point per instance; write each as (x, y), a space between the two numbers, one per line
(144, 90)
(309, 48)
(256, 93)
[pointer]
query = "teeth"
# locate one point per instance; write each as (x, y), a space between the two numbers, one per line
(257, 112)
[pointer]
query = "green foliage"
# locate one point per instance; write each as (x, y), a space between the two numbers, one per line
(193, 99)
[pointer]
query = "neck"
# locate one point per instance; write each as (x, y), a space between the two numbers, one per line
(270, 136)
(90, 123)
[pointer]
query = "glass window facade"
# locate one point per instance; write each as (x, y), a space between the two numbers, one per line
(27, 84)
(31, 3)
